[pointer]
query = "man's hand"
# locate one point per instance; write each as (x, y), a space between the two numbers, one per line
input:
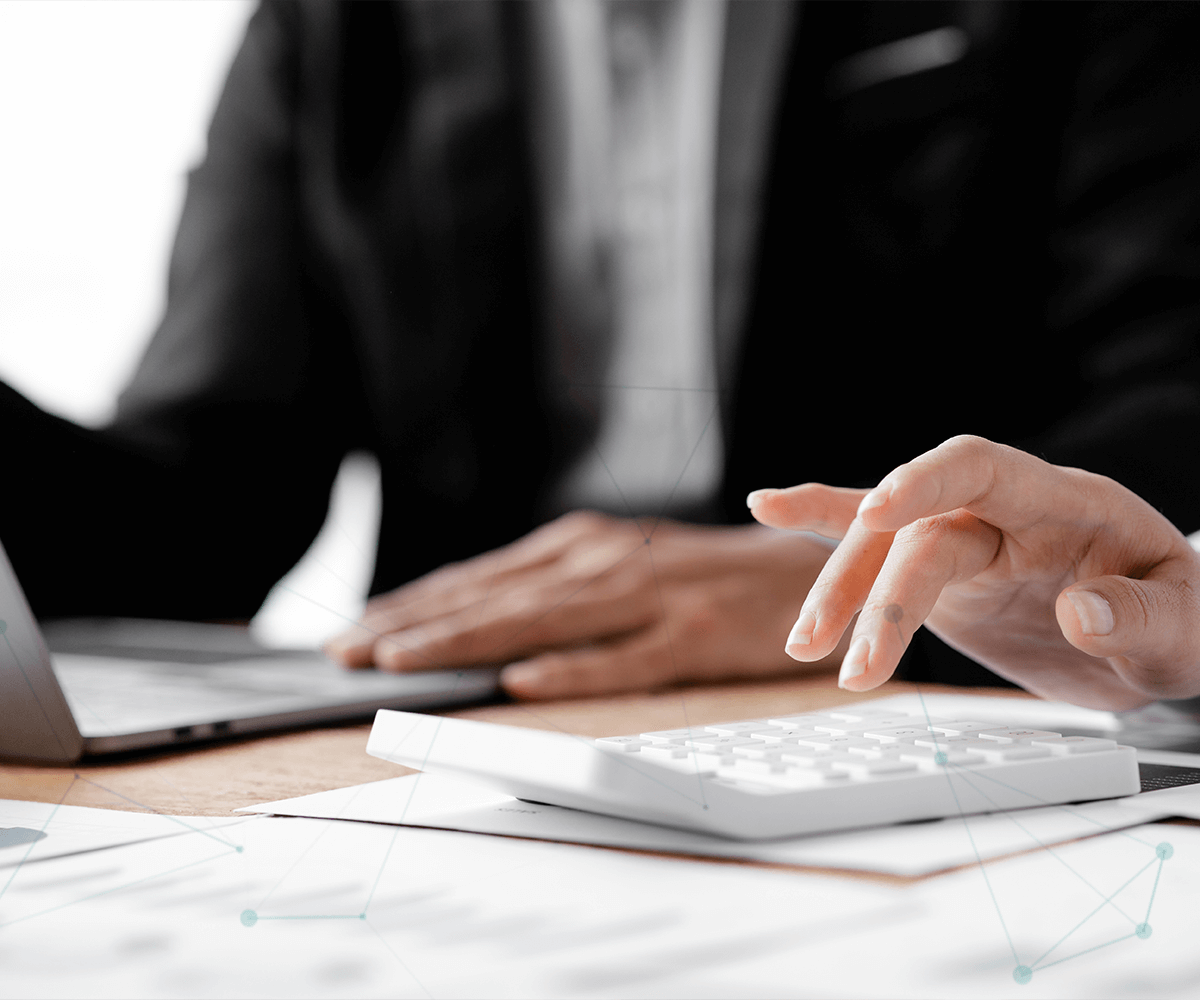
(590, 604)
(1060, 580)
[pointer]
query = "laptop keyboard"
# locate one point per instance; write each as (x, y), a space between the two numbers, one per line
(109, 696)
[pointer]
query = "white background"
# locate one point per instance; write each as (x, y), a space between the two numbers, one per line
(104, 105)
(103, 109)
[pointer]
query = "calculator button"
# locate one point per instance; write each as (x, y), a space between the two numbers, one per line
(781, 735)
(879, 751)
(807, 757)
(904, 734)
(792, 778)
(664, 751)
(858, 728)
(1014, 735)
(759, 750)
(741, 728)
(945, 755)
(704, 761)
(813, 761)
(832, 727)
(746, 765)
(1073, 744)
(832, 742)
(1003, 753)
(873, 768)
(909, 751)
(866, 715)
(675, 735)
(941, 741)
(798, 721)
(629, 744)
(713, 741)
(935, 763)
(964, 758)
(960, 728)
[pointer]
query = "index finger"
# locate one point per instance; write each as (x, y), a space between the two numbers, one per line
(1003, 486)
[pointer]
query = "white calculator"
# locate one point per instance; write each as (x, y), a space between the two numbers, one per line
(758, 779)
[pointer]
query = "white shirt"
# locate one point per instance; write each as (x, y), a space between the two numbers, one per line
(630, 97)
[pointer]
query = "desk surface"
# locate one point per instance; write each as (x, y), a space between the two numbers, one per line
(215, 780)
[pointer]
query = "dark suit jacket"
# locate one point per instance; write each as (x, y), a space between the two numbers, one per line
(1004, 245)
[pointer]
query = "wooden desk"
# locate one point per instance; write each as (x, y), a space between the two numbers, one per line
(215, 780)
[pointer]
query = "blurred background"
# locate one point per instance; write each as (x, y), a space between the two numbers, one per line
(104, 106)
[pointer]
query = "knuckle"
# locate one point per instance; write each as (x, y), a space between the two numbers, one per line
(944, 543)
(830, 599)
(884, 609)
(936, 528)
(389, 652)
(1097, 491)
(966, 445)
(922, 537)
(520, 603)
(583, 521)
(592, 558)
(1138, 609)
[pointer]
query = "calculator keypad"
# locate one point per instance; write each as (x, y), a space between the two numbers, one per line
(817, 748)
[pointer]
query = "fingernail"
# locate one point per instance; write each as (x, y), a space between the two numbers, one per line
(855, 662)
(876, 498)
(521, 675)
(802, 632)
(1094, 613)
(756, 495)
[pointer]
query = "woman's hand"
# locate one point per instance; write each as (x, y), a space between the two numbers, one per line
(1060, 580)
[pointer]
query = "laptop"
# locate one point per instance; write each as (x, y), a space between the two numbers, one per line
(89, 687)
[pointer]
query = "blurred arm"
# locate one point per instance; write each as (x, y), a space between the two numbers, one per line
(215, 475)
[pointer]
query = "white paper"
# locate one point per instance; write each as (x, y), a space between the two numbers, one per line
(321, 908)
(1181, 801)
(35, 831)
(298, 907)
(966, 935)
(911, 849)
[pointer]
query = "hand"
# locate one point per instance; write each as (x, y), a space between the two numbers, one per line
(1060, 580)
(591, 604)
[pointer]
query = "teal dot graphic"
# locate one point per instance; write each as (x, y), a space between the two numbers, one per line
(1022, 974)
(940, 758)
(1164, 850)
(239, 848)
(249, 918)
(1143, 931)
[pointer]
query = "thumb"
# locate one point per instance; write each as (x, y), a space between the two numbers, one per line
(1149, 629)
